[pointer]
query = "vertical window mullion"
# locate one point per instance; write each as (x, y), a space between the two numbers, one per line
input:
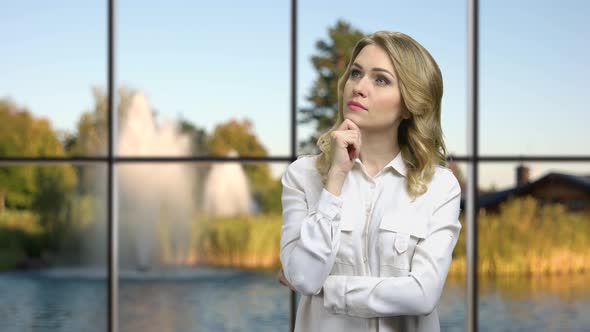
(112, 297)
(472, 166)
(293, 295)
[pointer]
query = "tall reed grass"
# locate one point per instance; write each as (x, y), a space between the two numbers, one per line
(528, 239)
(523, 239)
(242, 242)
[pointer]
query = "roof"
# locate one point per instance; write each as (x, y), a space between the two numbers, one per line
(495, 198)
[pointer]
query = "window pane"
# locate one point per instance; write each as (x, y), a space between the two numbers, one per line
(204, 65)
(53, 65)
(199, 247)
(452, 306)
(534, 236)
(52, 248)
(533, 77)
(439, 26)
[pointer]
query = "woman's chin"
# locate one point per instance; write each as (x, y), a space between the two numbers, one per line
(354, 118)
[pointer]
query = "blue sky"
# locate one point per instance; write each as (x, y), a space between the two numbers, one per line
(211, 61)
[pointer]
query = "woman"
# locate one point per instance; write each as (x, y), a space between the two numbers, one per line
(369, 224)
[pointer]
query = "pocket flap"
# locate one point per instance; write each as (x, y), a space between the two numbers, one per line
(401, 242)
(405, 222)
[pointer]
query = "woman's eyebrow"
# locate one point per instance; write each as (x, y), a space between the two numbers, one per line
(374, 69)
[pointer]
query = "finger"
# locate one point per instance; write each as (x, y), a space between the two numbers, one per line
(359, 144)
(282, 281)
(282, 278)
(353, 127)
(347, 139)
(349, 124)
(344, 138)
(352, 138)
(351, 152)
(285, 283)
(344, 125)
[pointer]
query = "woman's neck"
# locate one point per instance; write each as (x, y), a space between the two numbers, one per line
(378, 149)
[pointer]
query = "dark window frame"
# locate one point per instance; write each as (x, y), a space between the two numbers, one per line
(472, 158)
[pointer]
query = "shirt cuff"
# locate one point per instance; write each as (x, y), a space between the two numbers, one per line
(329, 204)
(335, 294)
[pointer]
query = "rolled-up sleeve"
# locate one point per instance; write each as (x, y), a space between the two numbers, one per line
(415, 294)
(309, 237)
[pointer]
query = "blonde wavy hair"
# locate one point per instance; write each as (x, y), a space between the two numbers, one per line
(420, 137)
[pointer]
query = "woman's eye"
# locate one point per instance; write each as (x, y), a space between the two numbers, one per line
(382, 80)
(355, 73)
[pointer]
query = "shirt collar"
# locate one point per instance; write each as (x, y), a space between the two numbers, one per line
(397, 163)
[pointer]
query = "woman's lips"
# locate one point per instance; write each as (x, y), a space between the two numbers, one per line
(356, 106)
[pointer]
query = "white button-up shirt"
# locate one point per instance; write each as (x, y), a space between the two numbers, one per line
(369, 259)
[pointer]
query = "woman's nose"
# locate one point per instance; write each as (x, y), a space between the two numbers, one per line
(360, 88)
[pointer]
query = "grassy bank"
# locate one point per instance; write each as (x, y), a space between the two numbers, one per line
(244, 242)
(523, 239)
(527, 239)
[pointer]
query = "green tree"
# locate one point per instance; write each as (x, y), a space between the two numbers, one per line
(329, 63)
(43, 189)
(199, 137)
(55, 190)
(91, 137)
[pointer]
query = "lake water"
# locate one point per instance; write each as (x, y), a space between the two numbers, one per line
(232, 300)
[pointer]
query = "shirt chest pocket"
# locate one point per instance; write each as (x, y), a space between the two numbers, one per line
(345, 256)
(399, 233)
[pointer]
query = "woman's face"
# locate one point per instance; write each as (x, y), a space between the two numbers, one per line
(371, 95)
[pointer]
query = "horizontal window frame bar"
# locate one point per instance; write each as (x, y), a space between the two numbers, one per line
(246, 159)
